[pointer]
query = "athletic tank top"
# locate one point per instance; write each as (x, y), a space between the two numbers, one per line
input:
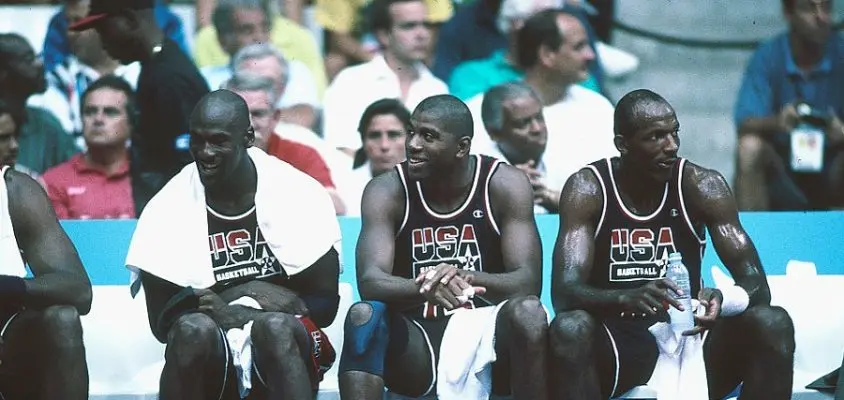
(632, 249)
(11, 261)
(239, 252)
(466, 237)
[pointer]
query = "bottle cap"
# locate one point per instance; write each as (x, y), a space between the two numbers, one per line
(675, 258)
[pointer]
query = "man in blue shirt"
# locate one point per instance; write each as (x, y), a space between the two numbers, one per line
(788, 115)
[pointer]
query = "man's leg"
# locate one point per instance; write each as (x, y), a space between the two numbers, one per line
(277, 338)
(382, 348)
(521, 345)
(757, 348)
(44, 355)
(592, 360)
(195, 360)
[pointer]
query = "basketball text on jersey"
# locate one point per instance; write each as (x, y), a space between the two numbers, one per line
(239, 254)
(640, 253)
(448, 244)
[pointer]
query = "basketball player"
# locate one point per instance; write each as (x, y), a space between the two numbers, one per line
(290, 352)
(619, 220)
(41, 352)
(440, 223)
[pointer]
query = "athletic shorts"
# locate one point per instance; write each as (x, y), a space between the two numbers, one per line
(632, 350)
(432, 331)
(321, 360)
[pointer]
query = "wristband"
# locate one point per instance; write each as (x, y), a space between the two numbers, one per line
(12, 289)
(734, 300)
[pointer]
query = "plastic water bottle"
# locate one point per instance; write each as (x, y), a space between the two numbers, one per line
(681, 321)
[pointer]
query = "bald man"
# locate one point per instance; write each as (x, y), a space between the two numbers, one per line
(290, 352)
(620, 218)
(445, 235)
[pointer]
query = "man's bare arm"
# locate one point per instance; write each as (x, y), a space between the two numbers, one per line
(581, 203)
(712, 200)
(382, 209)
(512, 203)
(60, 277)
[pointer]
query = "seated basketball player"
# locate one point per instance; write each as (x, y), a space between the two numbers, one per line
(41, 352)
(445, 234)
(238, 246)
(619, 220)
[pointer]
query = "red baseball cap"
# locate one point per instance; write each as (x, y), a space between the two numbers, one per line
(103, 8)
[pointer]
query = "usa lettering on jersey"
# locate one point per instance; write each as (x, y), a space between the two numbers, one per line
(640, 253)
(447, 244)
(235, 255)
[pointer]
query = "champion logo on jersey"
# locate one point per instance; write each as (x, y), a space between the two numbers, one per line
(478, 214)
(674, 213)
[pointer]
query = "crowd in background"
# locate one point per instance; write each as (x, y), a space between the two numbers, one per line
(100, 116)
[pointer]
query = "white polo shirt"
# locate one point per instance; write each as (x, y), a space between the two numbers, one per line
(356, 87)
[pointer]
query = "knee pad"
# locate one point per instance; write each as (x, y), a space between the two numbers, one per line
(365, 344)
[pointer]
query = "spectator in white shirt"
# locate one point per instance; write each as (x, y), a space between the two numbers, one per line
(512, 114)
(383, 131)
(402, 31)
(300, 102)
(554, 50)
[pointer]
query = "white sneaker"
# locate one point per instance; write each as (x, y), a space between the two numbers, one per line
(617, 63)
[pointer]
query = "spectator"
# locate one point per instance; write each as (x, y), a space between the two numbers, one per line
(11, 120)
(383, 131)
(512, 114)
(797, 72)
(252, 22)
(168, 88)
(348, 39)
(402, 31)
(470, 34)
(299, 102)
(84, 64)
(261, 95)
(96, 184)
(42, 141)
(290, 9)
(58, 46)
(555, 52)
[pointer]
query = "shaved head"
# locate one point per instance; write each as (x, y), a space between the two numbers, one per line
(637, 108)
(221, 109)
(452, 114)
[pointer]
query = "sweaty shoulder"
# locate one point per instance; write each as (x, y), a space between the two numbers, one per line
(508, 182)
(582, 194)
(704, 188)
(24, 194)
(384, 195)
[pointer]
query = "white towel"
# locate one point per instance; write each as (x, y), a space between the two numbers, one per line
(11, 262)
(680, 371)
(240, 348)
(294, 212)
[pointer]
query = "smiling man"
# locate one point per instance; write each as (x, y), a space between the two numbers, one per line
(446, 236)
(620, 218)
(224, 251)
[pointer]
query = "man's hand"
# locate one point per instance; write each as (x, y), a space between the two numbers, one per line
(209, 302)
(542, 195)
(835, 130)
(447, 286)
(788, 118)
(710, 299)
(270, 297)
(224, 315)
(650, 298)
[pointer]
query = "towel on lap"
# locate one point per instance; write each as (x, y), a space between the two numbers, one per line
(680, 372)
(294, 212)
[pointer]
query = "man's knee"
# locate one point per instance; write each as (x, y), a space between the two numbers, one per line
(772, 325)
(62, 326)
(191, 339)
(528, 317)
(751, 151)
(276, 333)
(366, 338)
(571, 333)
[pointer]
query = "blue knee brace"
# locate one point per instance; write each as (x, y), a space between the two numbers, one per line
(365, 346)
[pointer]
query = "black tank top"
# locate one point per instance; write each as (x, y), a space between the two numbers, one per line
(467, 237)
(631, 249)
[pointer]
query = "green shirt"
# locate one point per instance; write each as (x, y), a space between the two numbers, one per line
(43, 143)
